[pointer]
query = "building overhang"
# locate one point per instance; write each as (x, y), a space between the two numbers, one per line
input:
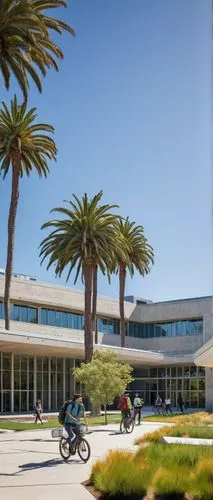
(204, 356)
(37, 344)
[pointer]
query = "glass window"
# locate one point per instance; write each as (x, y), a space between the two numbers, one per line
(39, 364)
(173, 371)
(179, 384)
(186, 385)
(15, 313)
(202, 402)
(193, 385)
(17, 361)
(1, 310)
(168, 372)
(31, 380)
(6, 380)
(162, 385)
(57, 318)
(31, 364)
(23, 314)
(60, 365)
(153, 372)
(53, 364)
(179, 371)
(6, 361)
(44, 316)
(193, 371)
(151, 331)
(141, 372)
(201, 371)
(32, 315)
(158, 331)
(17, 379)
(173, 384)
(186, 371)
(194, 399)
(196, 327)
(24, 362)
(64, 319)
(51, 317)
(161, 372)
(45, 364)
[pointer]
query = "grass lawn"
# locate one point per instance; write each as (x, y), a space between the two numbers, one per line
(26, 426)
(189, 418)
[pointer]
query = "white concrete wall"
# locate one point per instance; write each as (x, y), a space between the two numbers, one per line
(165, 311)
(171, 345)
(60, 297)
(209, 389)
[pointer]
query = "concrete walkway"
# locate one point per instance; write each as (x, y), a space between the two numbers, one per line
(31, 466)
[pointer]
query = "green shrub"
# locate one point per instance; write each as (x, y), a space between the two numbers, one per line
(170, 470)
(201, 487)
(201, 431)
(120, 475)
(170, 483)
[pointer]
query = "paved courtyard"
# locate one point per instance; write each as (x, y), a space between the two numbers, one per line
(31, 466)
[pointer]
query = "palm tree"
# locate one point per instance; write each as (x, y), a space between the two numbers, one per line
(84, 239)
(23, 147)
(138, 255)
(25, 43)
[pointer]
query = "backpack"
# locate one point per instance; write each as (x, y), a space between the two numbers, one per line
(62, 411)
(122, 403)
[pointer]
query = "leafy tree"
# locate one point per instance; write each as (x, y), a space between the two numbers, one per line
(137, 255)
(105, 377)
(24, 146)
(84, 239)
(25, 42)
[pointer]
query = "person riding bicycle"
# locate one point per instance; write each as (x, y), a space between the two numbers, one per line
(75, 410)
(125, 405)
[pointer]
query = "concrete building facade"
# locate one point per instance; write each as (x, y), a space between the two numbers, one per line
(46, 341)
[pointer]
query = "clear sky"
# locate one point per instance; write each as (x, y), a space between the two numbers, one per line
(131, 107)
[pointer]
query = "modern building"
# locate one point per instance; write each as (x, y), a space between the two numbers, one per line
(46, 341)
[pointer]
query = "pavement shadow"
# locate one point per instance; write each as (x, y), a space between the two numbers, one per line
(46, 464)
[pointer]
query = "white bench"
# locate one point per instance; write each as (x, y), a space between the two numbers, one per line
(182, 440)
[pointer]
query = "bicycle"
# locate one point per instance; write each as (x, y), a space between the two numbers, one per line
(127, 424)
(80, 445)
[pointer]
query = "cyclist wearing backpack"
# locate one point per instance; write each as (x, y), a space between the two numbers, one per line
(74, 411)
(125, 405)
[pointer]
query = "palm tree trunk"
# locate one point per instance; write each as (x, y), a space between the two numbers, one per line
(10, 243)
(122, 279)
(94, 302)
(88, 337)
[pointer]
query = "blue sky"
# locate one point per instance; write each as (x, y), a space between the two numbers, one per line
(131, 107)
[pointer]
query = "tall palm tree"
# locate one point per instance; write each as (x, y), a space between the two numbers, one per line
(83, 239)
(138, 256)
(25, 43)
(24, 145)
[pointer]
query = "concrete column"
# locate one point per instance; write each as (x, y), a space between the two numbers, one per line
(72, 379)
(1, 382)
(49, 384)
(28, 383)
(64, 379)
(209, 389)
(12, 383)
(35, 381)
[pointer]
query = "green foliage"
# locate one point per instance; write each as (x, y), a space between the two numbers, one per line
(139, 254)
(85, 235)
(25, 42)
(192, 431)
(170, 471)
(19, 133)
(197, 418)
(105, 377)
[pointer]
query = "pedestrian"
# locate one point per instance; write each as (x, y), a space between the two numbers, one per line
(158, 404)
(137, 408)
(168, 406)
(180, 403)
(38, 411)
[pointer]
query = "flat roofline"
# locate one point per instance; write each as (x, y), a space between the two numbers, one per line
(104, 297)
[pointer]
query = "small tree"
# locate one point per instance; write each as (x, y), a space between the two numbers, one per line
(104, 378)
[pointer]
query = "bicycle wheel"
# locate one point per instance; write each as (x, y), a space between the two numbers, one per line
(64, 448)
(83, 448)
(130, 424)
(122, 426)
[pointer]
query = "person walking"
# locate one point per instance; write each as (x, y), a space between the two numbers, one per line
(158, 404)
(167, 408)
(137, 408)
(38, 411)
(180, 403)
